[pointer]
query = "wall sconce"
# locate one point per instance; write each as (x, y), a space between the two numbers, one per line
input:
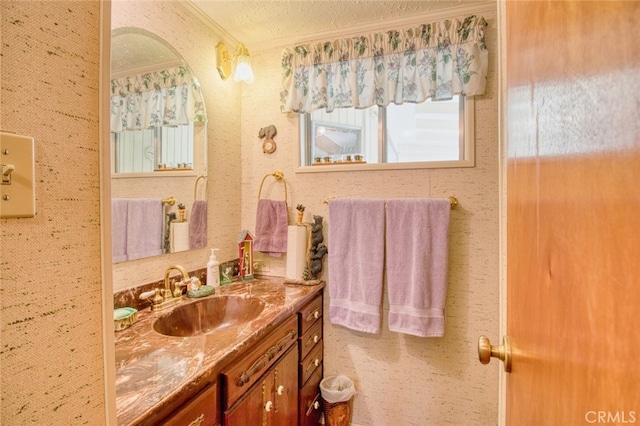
(240, 64)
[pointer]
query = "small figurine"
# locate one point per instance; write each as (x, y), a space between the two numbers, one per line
(316, 231)
(227, 275)
(245, 255)
(267, 133)
(317, 250)
(300, 209)
(316, 260)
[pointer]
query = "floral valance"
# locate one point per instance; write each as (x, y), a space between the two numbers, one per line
(161, 98)
(436, 60)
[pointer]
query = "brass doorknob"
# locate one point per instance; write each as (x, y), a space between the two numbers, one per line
(502, 352)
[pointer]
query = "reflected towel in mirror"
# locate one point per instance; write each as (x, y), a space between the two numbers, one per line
(119, 229)
(145, 227)
(198, 225)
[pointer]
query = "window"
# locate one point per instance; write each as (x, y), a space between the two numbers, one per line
(425, 135)
(148, 150)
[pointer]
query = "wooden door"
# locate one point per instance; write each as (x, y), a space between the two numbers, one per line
(573, 212)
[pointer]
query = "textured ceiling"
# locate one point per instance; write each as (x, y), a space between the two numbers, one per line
(280, 22)
(269, 23)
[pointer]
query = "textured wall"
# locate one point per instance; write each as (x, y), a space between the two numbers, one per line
(51, 360)
(196, 42)
(400, 379)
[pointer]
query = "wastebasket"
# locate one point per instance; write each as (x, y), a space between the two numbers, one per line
(337, 400)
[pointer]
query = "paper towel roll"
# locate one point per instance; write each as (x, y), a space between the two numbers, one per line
(296, 252)
(179, 236)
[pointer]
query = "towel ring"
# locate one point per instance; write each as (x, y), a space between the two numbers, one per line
(195, 187)
(278, 175)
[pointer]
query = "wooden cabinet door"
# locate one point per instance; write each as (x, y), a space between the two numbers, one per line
(250, 409)
(285, 382)
(273, 400)
(201, 410)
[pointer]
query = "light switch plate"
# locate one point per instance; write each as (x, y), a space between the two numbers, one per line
(17, 192)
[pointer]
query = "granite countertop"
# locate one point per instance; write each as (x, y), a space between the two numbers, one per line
(157, 373)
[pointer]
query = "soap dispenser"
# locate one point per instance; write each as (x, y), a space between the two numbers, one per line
(213, 270)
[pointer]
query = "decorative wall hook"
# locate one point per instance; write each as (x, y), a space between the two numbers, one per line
(267, 133)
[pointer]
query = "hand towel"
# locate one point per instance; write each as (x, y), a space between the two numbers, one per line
(145, 228)
(417, 248)
(356, 263)
(198, 225)
(119, 229)
(271, 227)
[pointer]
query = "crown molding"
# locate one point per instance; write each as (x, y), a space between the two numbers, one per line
(224, 34)
(382, 25)
(489, 6)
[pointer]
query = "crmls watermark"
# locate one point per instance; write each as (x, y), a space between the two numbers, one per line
(610, 417)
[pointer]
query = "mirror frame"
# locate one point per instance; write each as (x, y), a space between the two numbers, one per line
(108, 328)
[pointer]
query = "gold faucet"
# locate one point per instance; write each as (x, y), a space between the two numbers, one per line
(168, 298)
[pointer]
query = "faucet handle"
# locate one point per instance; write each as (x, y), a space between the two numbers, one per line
(146, 295)
(177, 288)
(157, 299)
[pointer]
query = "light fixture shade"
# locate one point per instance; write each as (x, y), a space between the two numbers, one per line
(242, 60)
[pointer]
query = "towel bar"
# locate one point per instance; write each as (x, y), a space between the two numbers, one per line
(452, 199)
(169, 201)
(278, 175)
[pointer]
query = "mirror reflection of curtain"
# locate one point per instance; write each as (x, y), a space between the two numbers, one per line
(161, 98)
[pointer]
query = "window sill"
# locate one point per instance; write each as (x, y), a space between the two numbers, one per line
(356, 167)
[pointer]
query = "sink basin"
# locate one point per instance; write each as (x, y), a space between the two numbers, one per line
(208, 316)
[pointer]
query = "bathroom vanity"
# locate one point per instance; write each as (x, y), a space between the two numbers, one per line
(250, 354)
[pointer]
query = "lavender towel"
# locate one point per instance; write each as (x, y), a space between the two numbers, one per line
(198, 225)
(356, 262)
(119, 229)
(271, 227)
(145, 227)
(416, 246)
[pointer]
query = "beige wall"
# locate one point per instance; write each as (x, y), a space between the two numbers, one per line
(195, 41)
(400, 379)
(51, 357)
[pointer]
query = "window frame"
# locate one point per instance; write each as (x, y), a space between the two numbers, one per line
(468, 144)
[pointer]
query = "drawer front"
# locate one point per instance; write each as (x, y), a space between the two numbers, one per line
(310, 339)
(310, 363)
(201, 410)
(310, 400)
(239, 377)
(310, 314)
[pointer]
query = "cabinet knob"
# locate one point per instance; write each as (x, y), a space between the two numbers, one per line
(316, 405)
(316, 339)
(280, 390)
(316, 314)
(268, 406)
(316, 362)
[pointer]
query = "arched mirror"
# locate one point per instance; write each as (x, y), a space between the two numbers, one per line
(158, 148)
